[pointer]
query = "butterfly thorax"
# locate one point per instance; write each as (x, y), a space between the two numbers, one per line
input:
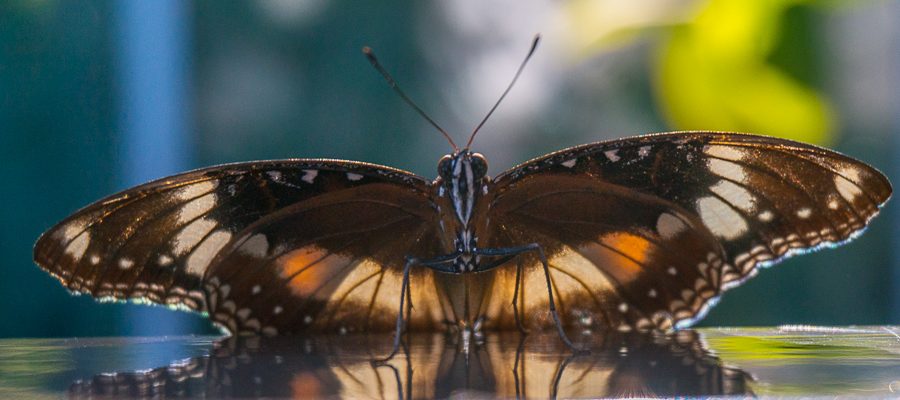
(461, 186)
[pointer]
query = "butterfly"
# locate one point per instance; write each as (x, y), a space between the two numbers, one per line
(635, 234)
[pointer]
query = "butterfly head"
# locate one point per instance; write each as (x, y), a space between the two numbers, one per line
(462, 164)
(463, 174)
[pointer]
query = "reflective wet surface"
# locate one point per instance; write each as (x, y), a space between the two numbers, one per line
(787, 361)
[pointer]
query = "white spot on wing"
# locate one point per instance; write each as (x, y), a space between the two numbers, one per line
(252, 323)
(765, 216)
(726, 152)
(126, 263)
(164, 260)
(850, 172)
(727, 169)
(611, 155)
(71, 230)
(196, 189)
(569, 163)
(848, 190)
(256, 289)
(95, 259)
(277, 310)
(197, 207)
(644, 324)
(309, 175)
(256, 246)
(79, 245)
(720, 218)
(833, 204)
(672, 271)
(804, 212)
(191, 234)
(737, 195)
(623, 307)
(354, 177)
(668, 225)
(644, 151)
(200, 258)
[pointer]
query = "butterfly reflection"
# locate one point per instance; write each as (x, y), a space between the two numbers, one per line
(435, 365)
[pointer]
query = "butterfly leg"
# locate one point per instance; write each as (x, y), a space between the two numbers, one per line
(396, 374)
(559, 327)
(559, 374)
(511, 251)
(519, 349)
(404, 290)
(405, 296)
(515, 299)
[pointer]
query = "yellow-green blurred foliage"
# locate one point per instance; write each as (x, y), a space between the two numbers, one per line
(714, 68)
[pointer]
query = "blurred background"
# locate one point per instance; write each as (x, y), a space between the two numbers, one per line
(97, 96)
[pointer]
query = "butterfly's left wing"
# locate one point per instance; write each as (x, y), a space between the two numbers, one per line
(261, 247)
(645, 233)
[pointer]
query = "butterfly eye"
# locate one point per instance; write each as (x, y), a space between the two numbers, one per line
(445, 167)
(479, 165)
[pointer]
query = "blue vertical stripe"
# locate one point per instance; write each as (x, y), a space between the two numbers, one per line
(152, 44)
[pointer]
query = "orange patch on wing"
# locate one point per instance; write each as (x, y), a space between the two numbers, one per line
(306, 385)
(619, 254)
(311, 268)
(633, 246)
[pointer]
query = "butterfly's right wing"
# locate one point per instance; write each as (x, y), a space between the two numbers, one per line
(262, 247)
(646, 232)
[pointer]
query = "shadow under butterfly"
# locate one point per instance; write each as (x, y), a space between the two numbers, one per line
(433, 366)
(635, 234)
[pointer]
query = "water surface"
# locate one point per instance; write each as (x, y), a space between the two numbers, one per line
(767, 361)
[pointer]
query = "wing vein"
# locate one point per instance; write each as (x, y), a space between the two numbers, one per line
(790, 185)
(587, 289)
(648, 238)
(808, 161)
(167, 211)
(340, 301)
(620, 289)
(372, 301)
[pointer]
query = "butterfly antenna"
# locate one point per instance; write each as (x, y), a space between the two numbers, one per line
(390, 80)
(537, 38)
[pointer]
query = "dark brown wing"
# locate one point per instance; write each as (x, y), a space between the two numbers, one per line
(646, 232)
(261, 247)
